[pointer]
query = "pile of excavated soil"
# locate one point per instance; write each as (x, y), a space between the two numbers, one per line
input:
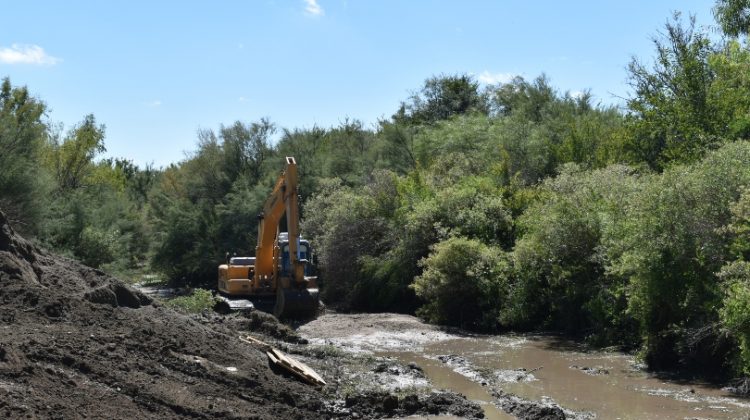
(77, 343)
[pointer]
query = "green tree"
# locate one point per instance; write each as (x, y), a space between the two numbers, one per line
(672, 115)
(730, 90)
(735, 310)
(440, 98)
(347, 152)
(23, 189)
(671, 247)
(519, 97)
(395, 147)
(351, 231)
(246, 149)
(735, 278)
(733, 16)
(561, 279)
(72, 159)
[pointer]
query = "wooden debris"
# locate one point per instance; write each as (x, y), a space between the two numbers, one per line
(255, 342)
(286, 362)
(295, 367)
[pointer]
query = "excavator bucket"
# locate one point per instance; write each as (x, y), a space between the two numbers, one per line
(296, 303)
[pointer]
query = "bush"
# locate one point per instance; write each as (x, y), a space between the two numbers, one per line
(735, 313)
(561, 279)
(462, 284)
(348, 228)
(97, 247)
(670, 248)
(198, 301)
(24, 184)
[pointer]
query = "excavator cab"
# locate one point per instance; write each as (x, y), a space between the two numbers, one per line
(304, 255)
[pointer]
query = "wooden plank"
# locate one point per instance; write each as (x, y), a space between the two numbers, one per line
(295, 367)
(286, 362)
(254, 341)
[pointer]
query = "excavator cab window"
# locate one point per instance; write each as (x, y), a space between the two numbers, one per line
(286, 264)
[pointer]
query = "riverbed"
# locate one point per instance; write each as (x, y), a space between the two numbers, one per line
(502, 373)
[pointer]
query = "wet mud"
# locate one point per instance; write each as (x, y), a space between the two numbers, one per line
(535, 377)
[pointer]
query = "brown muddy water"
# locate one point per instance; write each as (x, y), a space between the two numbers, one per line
(590, 384)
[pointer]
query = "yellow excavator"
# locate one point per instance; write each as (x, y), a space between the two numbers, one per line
(279, 276)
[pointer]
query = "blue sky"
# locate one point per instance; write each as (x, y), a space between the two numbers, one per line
(156, 72)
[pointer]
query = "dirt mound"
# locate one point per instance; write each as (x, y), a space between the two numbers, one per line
(76, 342)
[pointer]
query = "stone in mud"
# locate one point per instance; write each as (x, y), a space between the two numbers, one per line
(453, 404)
(390, 403)
(452, 359)
(410, 404)
(380, 368)
(740, 387)
(594, 371)
(396, 369)
(54, 310)
(528, 410)
(414, 366)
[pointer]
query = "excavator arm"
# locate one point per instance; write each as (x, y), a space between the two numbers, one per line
(283, 200)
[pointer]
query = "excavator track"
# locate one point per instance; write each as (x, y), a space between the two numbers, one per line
(288, 304)
(226, 305)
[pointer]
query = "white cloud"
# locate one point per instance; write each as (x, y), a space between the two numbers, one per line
(313, 8)
(153, 104)
(495, 78)
(242, 99)
(26, 54)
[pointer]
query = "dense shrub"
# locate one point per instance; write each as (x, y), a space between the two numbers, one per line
(673, 243)
(735, 312)
(561, 279)
(462, 284)
(23, 187)
(349, 227)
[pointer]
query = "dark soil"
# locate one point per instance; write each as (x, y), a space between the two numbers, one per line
(384, 404)
(78, 343)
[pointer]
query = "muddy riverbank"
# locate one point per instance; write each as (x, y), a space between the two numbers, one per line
(514, 376)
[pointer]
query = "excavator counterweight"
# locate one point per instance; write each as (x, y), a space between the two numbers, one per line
(280, 276)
